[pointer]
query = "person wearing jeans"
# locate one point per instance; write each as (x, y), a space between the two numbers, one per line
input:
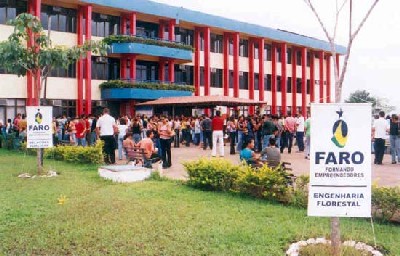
(122, 128)
(394, 135)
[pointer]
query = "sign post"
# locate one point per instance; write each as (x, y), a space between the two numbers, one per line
(340, 167)
(39, 130)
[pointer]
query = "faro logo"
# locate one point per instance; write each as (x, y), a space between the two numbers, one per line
(38, 117)
(340, 131)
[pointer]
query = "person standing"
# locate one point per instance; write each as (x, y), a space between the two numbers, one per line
(300, 132)
(80, 127)
(206, 127)
(122, 129)
(231, 129)
(165, 131)
(105, 127)
(379, 128)
(394, 134)
(290, 127)
(307, 131)
(218, 134)
(268, 130)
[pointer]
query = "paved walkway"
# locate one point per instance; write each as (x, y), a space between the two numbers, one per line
(384, 175)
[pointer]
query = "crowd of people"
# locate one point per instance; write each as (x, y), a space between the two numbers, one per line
(157, 134)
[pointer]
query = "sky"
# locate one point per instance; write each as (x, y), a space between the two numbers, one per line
(375, 54)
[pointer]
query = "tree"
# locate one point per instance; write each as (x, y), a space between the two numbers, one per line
(331, 37)
(339, 76)
(29, 50)
(361, 96)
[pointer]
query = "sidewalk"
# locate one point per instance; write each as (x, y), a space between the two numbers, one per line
(384, 175)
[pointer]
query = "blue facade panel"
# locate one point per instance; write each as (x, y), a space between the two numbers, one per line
(140, 94)
(153, 50)
(204, 19)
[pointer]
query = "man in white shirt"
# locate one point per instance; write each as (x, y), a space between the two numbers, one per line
(105, 127)
(300, 132)
(380, 128)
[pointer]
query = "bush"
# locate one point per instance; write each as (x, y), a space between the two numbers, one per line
(221, 175)
(144, 40)
(214, 174)
(264, 182)
(385, 202)
(299, 194)
(145, 85)
(77, 154)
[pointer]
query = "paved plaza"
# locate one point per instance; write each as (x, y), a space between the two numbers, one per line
(384, 175)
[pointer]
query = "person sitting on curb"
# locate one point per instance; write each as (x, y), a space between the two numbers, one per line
(150, 151)
(247, 154)
(271, 153)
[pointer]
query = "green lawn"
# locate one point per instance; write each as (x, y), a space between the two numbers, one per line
(148, 218)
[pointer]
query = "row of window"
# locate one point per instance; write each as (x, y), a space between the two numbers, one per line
(65, 20)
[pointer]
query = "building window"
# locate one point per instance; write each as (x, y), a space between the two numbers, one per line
(147, 29)
(183, 74)
(308, 59)
(298, 58)
(62, 19)
(289, 85)
(148, 71)
(279, 54)
(289, 55)
(267, 52)
(230, 78)
(68, 107)
(216, 78)
(202, 79)
(230, 46)
(244, 80)
(298, 85)
(308, 86)
(243, 48)
(11, 108)
(278, 83)
(105, 68)
(10, 9)
(69, 72)
(256, 50)
(216, 43)
(184, 36)
(267, 82)
(256, 81)
(104, 25)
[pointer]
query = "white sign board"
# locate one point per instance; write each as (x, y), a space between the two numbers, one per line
(39, 127)
(340, 160)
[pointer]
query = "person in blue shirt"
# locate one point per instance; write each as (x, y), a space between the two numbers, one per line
(247, 154)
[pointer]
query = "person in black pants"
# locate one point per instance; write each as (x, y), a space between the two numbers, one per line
(164, 131)
(109, 148)
(380, 127)
(105, 128)
(207, 132)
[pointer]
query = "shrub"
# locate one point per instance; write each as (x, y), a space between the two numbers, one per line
(385, 202)
(264, 182)
(221, 175)
(299, 193)
(144, 40)
(77, 154)
(214, 174)
(145, 85)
